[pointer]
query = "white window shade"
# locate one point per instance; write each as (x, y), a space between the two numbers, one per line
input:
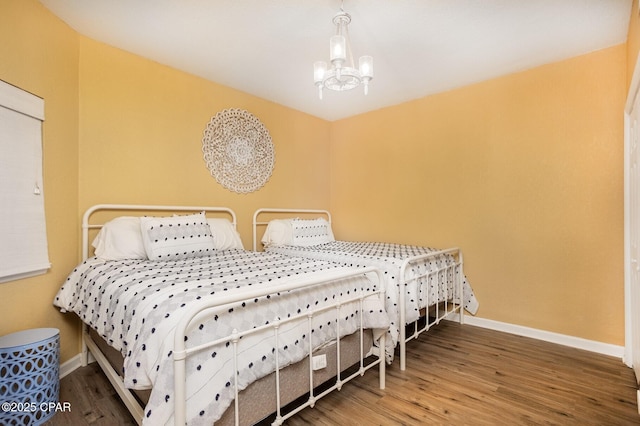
(23, 234)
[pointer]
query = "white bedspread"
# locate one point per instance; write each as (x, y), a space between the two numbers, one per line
(135, 305)
(388, 258)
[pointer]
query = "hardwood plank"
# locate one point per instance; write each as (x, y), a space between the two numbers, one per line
(93, 400)
(455, 375)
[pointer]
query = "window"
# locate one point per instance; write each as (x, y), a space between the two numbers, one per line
(23, 234)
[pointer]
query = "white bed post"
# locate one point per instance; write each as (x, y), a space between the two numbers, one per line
(401, 324)
(382, 346)
(84, 351)
(461, 287)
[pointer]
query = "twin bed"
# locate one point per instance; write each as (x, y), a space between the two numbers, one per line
(421, 282)
(197, 330)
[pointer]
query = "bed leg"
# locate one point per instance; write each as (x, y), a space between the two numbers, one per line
(84, 354)
(383, 361)
(461, 286)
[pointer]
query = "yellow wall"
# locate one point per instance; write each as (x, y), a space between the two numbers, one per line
(523, 172)
(39, 54)
(536, 158)
(141, 128)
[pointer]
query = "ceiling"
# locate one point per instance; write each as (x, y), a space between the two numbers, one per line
(420, 47)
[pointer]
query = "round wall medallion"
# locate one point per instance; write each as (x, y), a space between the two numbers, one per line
(238, 150)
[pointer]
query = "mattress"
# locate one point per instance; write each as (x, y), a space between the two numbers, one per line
(134, 305)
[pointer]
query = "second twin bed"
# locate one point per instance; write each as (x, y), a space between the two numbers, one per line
(421, 282)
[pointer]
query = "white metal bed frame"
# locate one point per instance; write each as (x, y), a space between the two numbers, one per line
(441, 311)
(200, 310)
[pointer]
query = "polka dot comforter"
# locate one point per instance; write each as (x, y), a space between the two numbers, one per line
(388, 257)
(135, 305)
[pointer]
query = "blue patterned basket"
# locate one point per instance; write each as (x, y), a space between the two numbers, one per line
(29, 376)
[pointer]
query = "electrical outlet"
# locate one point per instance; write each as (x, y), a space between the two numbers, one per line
(319, 362)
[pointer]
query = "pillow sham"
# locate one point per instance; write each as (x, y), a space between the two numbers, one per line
(297, 232)
(176, 237)
(120, 239)
(224, 234)
(310, 232)
(278, 233)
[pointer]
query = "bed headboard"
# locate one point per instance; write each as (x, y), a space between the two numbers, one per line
(95, 217)
(261, 218)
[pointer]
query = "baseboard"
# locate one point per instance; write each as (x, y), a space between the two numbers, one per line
(72, 364)
(547, 336)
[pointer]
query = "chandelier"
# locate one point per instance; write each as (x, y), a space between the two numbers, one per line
(342, 75)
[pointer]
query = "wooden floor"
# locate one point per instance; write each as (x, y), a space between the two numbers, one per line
(455, 374)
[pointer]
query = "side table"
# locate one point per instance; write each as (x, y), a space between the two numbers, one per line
(29, 376)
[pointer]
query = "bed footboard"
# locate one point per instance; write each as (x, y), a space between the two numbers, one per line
(444, 282)
(197, 313)
(181, 352)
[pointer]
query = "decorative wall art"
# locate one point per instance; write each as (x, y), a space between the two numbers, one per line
(238, 150)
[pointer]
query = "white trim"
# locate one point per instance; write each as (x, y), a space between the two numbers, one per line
(73, 364)
(633, 87)
(628, 322)
(70, 366)
(547, 336)
(628, 342)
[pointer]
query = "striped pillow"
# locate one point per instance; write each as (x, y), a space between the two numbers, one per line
(176, 237)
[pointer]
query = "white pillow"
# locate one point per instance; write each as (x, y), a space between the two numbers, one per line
(120, 239)
(176, 237)
(310, 232)
(297, 232)
(278, 233)
(224, 234)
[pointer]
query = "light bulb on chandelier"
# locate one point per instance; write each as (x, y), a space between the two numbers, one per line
(342, 74)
